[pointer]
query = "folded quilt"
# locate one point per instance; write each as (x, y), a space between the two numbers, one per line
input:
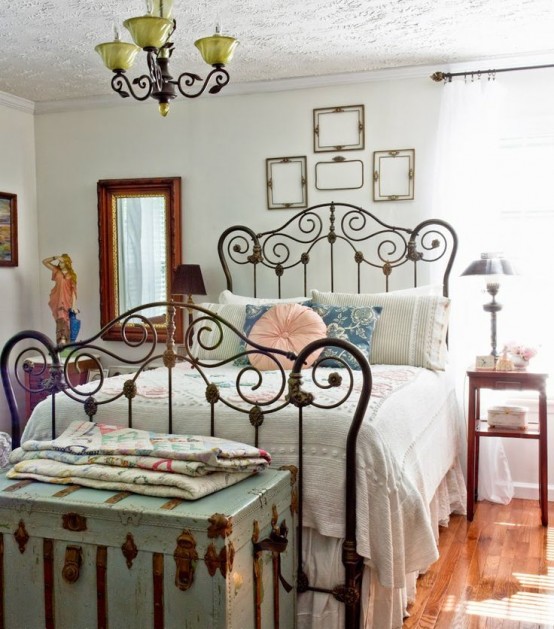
(84, 443)
(125, 459)
(144, 482)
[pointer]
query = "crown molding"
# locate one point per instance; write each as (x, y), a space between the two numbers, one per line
(14, 102)
(250, 87)
(305, 82)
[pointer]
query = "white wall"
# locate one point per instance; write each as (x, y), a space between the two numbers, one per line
(20, 288)
(218, 146)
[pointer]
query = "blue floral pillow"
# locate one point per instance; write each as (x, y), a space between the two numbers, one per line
(354, 324)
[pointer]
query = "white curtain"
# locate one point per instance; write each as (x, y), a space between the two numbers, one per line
(466, 195)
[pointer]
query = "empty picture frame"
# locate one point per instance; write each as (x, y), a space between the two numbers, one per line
(393, 175)
(339, 174)
(8, 229)
(286, 182)
(339, 129)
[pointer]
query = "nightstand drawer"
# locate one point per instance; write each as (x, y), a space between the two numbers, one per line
(36, 379)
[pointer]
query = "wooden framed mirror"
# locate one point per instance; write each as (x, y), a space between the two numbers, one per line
(139, 224)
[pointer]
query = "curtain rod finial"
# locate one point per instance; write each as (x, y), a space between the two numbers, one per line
(438, 77)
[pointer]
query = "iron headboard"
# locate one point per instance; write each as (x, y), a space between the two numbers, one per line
(348, 235)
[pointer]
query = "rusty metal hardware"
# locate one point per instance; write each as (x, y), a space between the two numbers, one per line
(74, 522)
(223, 560)
(276, 543)
(185, 556)
(129, 550)
(21, 536)
(220, 526)
(72, 563)
(348, 595)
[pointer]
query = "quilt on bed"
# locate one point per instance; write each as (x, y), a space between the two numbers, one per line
(407, 444)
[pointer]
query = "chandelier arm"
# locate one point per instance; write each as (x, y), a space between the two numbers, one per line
(122, 85)
(156, 77)
(219, 75)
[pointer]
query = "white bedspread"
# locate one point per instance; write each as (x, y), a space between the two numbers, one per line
(406, 446)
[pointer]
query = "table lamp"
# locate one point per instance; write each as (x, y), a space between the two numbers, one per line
(187, 280)
(491, 265)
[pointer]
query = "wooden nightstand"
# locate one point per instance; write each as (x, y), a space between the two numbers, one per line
(35, 391)
(478, 427)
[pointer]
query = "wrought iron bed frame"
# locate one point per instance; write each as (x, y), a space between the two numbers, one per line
(278, 251)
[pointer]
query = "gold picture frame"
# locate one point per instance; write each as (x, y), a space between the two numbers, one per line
(393, 175)
(339, 129)
(286, 182)
(339, 174)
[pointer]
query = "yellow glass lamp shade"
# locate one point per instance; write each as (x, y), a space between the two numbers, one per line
(217, 49)
(149, 31)
(117, 55)
(163, 8)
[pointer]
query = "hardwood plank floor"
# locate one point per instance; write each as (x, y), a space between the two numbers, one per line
(496, 572)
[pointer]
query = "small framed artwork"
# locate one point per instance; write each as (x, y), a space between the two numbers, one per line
(8, 229)
(339, 174)
(393, 175)
(95, 374)
(286, 182)
(339, 129)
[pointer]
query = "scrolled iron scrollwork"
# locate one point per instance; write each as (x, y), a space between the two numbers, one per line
(169, 359)
(429, 241)
(90, 406)
(137, 322)
(124, 87)
(218, 76)
(256, 416)
(378, 248)
(212, 393)
(256, 257)
(296, 394)
(129, 389)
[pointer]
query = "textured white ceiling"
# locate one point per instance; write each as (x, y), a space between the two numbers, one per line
(47, 46)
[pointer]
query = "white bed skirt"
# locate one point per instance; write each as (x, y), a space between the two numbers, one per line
(381, 607)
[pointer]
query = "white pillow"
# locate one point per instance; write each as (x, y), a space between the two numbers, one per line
(235, 314)
(428, 289)
(227, 297)
(410, 331)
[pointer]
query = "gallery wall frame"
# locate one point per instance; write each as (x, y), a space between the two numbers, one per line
(286, 182)
(8, 229)
(393, 175)
(339, 129)
(339, 174)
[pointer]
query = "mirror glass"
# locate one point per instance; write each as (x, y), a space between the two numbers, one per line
(140, 246)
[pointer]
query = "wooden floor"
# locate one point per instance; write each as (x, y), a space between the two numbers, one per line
(495, 572)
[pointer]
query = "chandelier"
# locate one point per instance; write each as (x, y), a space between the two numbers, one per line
(152, 33)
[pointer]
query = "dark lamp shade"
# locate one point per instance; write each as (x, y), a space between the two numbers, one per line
(490, 264)
(187, 280)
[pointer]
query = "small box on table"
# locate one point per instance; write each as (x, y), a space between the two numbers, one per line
(508, 416)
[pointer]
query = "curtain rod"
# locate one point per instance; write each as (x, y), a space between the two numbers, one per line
(447, 76)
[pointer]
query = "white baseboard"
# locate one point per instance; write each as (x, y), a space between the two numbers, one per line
(530, 491)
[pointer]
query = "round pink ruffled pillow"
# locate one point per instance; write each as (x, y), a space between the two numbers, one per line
(289, 327)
